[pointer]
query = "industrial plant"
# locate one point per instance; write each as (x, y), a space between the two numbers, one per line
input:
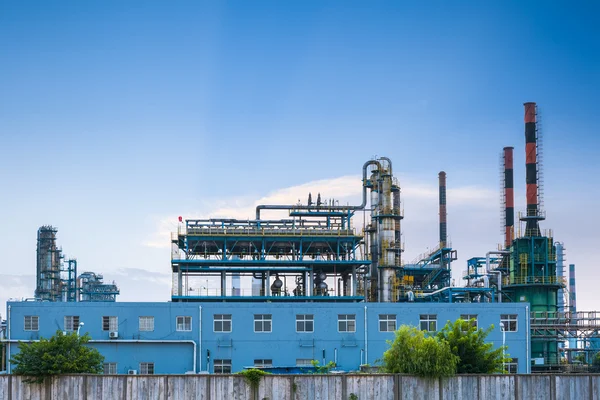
(311, 281)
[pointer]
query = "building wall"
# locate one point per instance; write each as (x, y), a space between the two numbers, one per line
(172, 351)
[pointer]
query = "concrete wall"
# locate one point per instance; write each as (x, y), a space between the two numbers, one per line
(300, 387)
(283, 345)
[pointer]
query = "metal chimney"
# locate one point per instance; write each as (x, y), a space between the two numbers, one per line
(532, 216)
(443, 226)
(509, 197)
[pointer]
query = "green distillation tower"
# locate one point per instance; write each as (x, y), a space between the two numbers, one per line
(532, 273)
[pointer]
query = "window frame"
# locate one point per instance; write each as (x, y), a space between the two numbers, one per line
(148, 365)
(74, 323)
(304, 362)
(111, 365)
(146, 327)
(303, 320)
(264, 318)
(110, 323)
(346, 319)
(183, 323)
(468, 317)
(263, 363)
(223, 364)
(514, 362)
(386, 319)
(509, 321)
(31, 324)
(222, 320)
(428, 319)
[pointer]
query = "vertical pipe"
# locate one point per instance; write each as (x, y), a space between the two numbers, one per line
(572, 289)
(443, 226)
(560, 273)
(509, 197)
(532, 226)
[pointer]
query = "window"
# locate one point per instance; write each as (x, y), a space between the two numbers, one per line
(304, 362)
(110, 368)
(110, 324)
(147, 368)
(147, 324)
(468, 317)
(222, 366)
(262, 322)
(512, 367)
(32, 323)
(346, 323)
(71, 322)
(305, 323)
(184, 323)
(428, 322)
(263, 363)
(387, 322)
(509, 321)
(222, 323)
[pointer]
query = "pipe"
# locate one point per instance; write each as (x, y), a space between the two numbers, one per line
(366, 341)
(527, 323)
(572, 290)
(487, 270)
(335, 356)
(509, 197)
(443, 223)
(532, 226)
(297, 207)
(8, 337)
(199, 339)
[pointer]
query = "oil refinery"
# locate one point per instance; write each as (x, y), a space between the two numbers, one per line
(324, 285)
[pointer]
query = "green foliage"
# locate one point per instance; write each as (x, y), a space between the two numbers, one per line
(61, 354)
(353, 396)
(323, 369)
(596, 360)
(253, 376)
(412, 352)
(468, 344)
(580, 358)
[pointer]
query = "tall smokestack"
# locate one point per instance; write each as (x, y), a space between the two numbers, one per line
(572, 289)
(509, 197)
(532, 227)
(443, 226)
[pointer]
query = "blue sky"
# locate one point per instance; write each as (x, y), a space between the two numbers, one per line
(116, 116)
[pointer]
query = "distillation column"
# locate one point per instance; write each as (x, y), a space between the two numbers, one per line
(387, 230)
(509, 197)
(443, 214)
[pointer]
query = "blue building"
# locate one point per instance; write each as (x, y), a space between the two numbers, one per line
(311, 286)
(176, 338)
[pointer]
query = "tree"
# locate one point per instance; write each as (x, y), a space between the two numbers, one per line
(61, 354)
(413, 352)
(468, 344)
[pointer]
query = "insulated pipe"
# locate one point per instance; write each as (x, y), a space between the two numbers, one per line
(360, 207)
(443, 224)
(572, 290)
(366, 341)
(532, 226)
(487, 270)
(509, 197)
(8, 337)
(199, 339)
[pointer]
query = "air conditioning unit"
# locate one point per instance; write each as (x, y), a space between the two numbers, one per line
(113, 335)
(132, 372)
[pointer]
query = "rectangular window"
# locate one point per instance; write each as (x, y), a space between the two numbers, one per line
(387, 322)
(110, 324)
(110, 368)
(32, 323)
(147, 324)
(305, 323)
(512, 367)
(263, 363)
(222, 366)
(184, 324)
(509, 321)
(262, 322)
(468, 317)
(304, 362)
(71, 323)
(428, 322)
(222, 323)
(346, 322)
(147, 368)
